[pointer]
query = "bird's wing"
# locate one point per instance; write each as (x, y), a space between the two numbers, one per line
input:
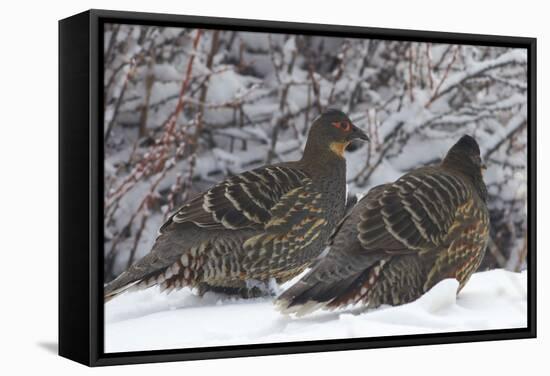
(331, 276)
(415, 213)
(351, 215)
(297, 220)
(247, 200)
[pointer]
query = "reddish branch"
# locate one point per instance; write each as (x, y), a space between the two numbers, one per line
(411, 74)
(429, 63)
(127, 78)
(436, 94)
(199, 121)
(153, 161)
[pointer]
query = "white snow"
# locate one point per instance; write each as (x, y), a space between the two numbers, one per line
(149, 320)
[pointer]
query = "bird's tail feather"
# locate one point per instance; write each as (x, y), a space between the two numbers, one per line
(307, 296)
(310, 294)
(145, 273)
(110, 293)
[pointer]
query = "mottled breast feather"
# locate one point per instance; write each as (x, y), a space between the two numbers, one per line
(413, 214)
(297, 221)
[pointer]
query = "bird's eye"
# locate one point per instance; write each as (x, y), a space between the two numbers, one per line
(345, 126)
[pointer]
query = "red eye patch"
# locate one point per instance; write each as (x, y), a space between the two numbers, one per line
(345, 125)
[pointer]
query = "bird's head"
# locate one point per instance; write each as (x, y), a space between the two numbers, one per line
(333, 131)
(466, 152)
(465, 156)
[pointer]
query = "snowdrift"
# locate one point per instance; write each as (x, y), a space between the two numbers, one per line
(150, 320)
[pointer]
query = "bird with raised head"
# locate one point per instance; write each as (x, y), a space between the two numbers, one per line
(263, 224)
(402, 238)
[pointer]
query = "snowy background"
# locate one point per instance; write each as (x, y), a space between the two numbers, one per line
(184, 108)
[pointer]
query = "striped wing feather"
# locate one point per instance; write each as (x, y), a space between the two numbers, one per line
(413, 214)
(242, 201)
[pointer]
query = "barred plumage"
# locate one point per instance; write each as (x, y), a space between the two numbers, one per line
(269, 222)
(402, 238)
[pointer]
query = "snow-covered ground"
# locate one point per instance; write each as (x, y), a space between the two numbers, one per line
(149, 320)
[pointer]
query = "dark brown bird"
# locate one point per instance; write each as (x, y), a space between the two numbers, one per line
(266, 223)
(402, 238)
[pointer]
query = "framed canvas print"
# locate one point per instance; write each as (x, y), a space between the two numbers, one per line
(240, 187)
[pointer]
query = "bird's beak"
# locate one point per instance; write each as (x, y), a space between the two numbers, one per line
(357, 134)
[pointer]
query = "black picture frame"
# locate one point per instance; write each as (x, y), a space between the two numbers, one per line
(81, 188)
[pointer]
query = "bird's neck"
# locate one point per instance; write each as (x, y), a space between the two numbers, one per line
(480, 186)
(323, 160)
(469, 171)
